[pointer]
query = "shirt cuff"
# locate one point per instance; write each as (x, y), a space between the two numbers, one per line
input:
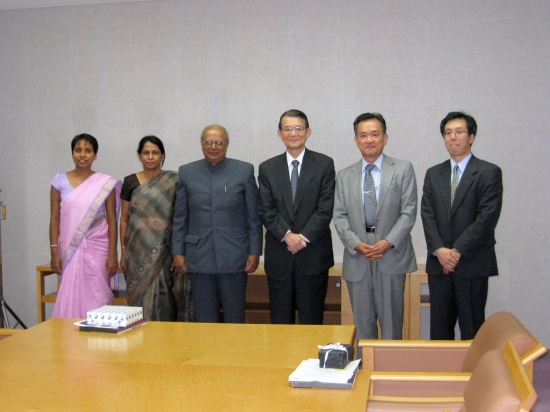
(283, 239)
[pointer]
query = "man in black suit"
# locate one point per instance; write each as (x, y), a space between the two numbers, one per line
(295, 205)
(460, 208)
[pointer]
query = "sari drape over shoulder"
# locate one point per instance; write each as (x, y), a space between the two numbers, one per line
(148, 259)
(84, 248)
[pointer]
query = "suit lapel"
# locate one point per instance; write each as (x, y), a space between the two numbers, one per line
(284, 182)
(388, 169)
(465, 182)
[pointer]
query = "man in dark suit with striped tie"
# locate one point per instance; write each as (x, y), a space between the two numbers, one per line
(295, 204)
(461, 203)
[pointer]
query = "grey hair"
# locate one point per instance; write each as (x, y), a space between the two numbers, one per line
(216, 125)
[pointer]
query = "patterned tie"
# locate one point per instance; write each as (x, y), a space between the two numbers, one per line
(294, 178)
(369, 197)
(454, 183)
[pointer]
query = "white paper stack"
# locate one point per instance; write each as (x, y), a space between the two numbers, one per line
(115, 316)
(310, 375)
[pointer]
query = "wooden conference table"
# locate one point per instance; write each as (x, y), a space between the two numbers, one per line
(169, 367)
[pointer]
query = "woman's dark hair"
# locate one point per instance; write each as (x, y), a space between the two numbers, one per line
(85, 136)
(153, 139)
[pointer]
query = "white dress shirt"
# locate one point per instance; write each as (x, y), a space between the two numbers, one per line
(290, 159)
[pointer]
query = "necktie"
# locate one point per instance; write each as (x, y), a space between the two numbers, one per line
(454, 183)
(369, 197)
(294, 178)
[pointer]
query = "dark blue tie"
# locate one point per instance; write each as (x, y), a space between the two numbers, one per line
(294, 178)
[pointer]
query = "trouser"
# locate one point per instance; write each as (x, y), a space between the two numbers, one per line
(211, 290)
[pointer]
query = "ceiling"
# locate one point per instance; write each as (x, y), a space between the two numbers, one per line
(30, 4)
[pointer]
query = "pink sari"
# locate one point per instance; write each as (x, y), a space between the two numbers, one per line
(84, 249)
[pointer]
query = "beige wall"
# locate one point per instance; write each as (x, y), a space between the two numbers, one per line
(120, 71)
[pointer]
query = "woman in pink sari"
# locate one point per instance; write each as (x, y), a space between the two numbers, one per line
(83, 232)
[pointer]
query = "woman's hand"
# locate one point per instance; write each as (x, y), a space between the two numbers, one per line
(179, 265)
(55, 211)
(122, 256)
(112, 265)
(55, 263)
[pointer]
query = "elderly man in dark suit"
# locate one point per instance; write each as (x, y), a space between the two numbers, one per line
(217, 233)
(460, 207)
(295, 205)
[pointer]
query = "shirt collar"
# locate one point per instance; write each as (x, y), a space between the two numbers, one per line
(377, 162)
(300, 158)
(462, 164)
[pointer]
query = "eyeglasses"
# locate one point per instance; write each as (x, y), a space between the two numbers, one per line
(297, 129)
(457, 133)
(217, 143)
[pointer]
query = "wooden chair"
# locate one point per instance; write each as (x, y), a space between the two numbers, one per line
(5, 333)
(499, 382)
(453, 356)
(45, 270)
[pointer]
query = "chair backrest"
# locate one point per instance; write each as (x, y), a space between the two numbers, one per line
(500, 383)
(493, 335)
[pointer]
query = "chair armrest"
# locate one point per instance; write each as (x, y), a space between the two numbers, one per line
(418, 384)
(533, 354)
(528, 359)
(415, 343)
(420, 377)
(413, 356)
(9, 332)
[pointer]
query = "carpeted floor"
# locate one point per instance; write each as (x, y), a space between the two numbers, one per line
(542, 385)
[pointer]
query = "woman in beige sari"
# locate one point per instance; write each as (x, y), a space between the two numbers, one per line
(146, 239)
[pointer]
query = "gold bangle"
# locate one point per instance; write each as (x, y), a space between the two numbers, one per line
(53, 246)
(123, 247)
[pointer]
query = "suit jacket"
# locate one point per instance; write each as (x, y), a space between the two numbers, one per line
(309, 215)
(395, 217)
(216, 223)
(469, 226)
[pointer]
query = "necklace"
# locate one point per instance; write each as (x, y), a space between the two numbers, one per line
(146, 177)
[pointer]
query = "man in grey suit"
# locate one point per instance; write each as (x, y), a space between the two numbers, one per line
(461, 203)
(217, 233)
(374, 212)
